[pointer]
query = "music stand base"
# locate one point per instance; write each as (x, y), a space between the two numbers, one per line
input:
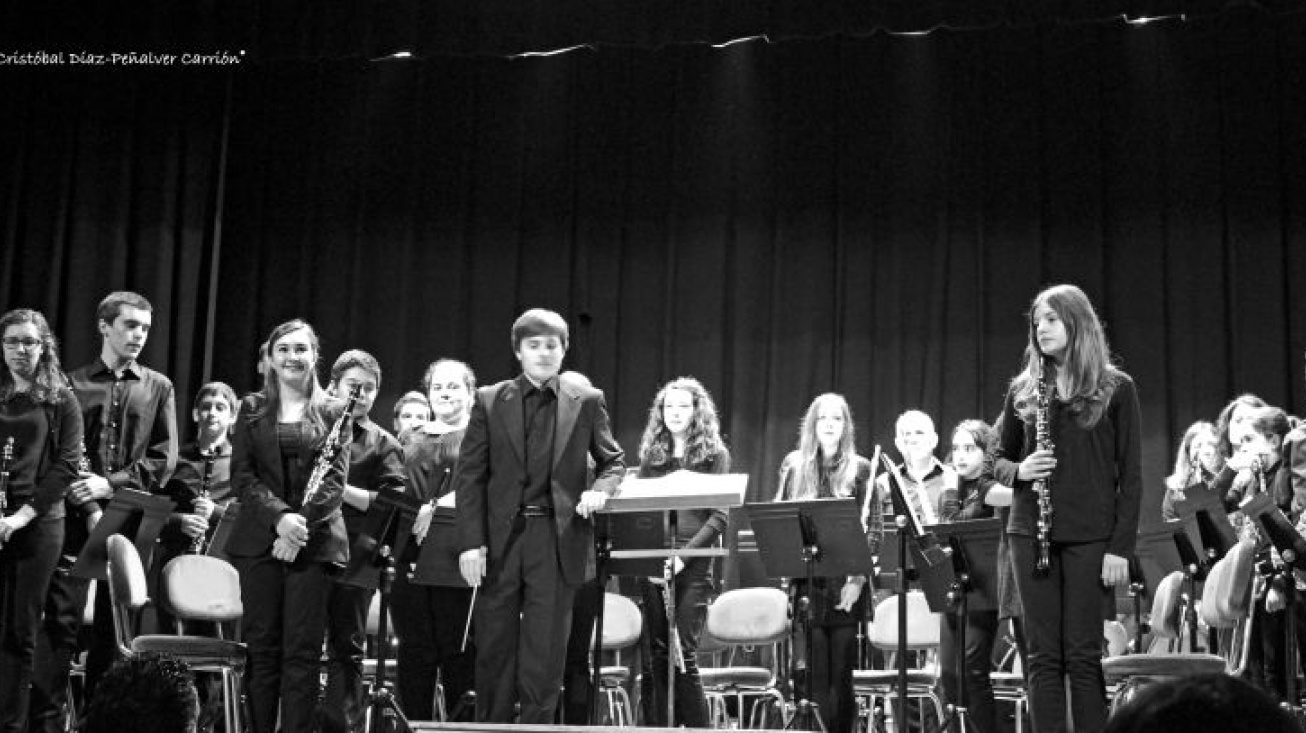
(383, 713)
(807, 716)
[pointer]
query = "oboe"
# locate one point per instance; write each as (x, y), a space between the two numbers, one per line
(1043, 486)
(6, 457)
(197, 543)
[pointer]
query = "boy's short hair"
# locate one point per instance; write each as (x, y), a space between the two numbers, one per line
(113, 303)
(910, 415)
(217, 389)
(409, 398)
(356, 358)
(539, 322)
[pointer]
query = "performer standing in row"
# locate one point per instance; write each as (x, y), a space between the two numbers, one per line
(977, 491)
(826, 465)
(290, 542)
(927, 478)
(524, 518)
(412, 410)
(430, 619)
(201, 485)
(40, 446)
(1091, 410)
(130, 430)
(376, 464)
(683, 432)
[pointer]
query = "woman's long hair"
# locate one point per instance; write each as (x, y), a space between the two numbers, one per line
(840, 467)
(317, 414)
(1186, 470)
(48, 379)
(703, 441)
(1225, 419)
(1090, 378)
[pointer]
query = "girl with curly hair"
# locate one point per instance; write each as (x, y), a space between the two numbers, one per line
(682, 433)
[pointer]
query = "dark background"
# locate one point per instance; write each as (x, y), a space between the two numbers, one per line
(865, 201)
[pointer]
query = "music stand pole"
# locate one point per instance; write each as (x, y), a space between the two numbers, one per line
(807, 715)
(900, 717)
(381, 703)
(959, 598)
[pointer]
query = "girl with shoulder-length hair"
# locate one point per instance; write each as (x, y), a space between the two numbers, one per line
(826, 466)
(1094, 480)
(40, 447)
(683, 432)
(289, 537)
(1197, 463)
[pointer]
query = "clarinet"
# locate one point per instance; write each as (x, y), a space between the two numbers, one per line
(6, 457)
(326, 457)
(197, 543)
(1043, 486)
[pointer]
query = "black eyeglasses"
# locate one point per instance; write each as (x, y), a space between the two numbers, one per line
(14, 342)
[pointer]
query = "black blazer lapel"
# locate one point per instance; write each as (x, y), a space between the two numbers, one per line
(513, 422)
(565, 420)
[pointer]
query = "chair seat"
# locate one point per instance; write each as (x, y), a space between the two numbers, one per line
(614, 676)
(863, 678)
(719, 678)
(194, 650)
(1118, 668)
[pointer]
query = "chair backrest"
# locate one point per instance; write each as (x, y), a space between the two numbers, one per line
(749, 616)
(127, 589)
(1165, 605)
(622, 622)
(1116, 636)
(202, 588)
(1227, 598)
(922, 623)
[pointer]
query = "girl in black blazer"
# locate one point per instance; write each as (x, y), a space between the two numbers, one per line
(288, 543)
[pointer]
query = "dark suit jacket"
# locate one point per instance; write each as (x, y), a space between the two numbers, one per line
(258, 484)
(492, 470)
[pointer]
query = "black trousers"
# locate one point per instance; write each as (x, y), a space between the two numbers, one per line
(578, 681)
(830, 674)
(1063, 630)
(429, 621)
(342, 707)
(285, 619)
(26, 564)
(692, 590)
(981, 631)
(523, 615)
(56, 644)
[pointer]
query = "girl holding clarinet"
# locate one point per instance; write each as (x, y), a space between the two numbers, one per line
(289, 534)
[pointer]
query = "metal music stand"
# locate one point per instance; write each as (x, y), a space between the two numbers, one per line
(148, 512)
(656, 498)
(217, 540)
(974, 549)
(815, 538)
(386, 530)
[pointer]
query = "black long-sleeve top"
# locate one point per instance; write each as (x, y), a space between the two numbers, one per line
(376, 463)
(1097, 484)
(130, 424)
(47, 447)
(694, 527)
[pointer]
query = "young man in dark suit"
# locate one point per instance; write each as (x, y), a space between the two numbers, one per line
(523, 515)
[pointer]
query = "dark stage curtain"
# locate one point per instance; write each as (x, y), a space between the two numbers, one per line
(867, 215)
